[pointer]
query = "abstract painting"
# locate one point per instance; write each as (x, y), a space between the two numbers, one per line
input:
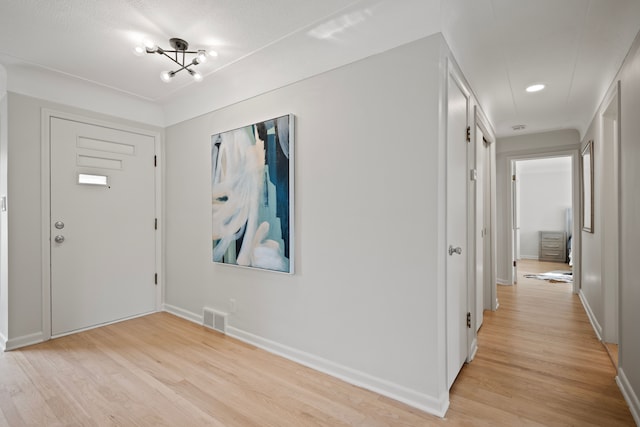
(252, 195)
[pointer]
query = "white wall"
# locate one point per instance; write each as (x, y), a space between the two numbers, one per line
(364, 302)
(545, 196)
(60, 88)
(25, 210)
(629, 367)
(522, 147)
(592, 289)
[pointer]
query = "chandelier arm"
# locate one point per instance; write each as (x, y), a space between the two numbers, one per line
(177, 62)
(183, 67)
(180, 47)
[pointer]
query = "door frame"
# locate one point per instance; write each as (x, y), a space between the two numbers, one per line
(611, 111)
(489, 265)
(575, 204)
(45, 205)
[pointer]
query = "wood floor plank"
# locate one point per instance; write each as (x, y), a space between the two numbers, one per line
(538, 364)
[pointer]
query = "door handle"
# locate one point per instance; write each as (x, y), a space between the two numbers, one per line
(59, 238)
(453, 250)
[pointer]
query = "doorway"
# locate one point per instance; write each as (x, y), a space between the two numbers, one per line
(559, 215)
(101, 224)
(543, 210)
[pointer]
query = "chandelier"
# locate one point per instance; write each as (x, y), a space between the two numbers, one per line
(179, 54)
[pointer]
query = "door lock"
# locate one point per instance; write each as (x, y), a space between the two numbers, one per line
(453, 250)
(59, 238)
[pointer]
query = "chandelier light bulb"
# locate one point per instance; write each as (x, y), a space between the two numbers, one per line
(139, 50)
(166, 76)
(201, 57)
(196, 75)
(212, 53)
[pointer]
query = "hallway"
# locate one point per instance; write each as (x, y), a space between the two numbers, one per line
(539, 362)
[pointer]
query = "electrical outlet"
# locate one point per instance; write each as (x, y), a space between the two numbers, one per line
(233, 307)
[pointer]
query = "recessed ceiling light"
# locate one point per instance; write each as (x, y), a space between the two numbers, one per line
(535, 88)
(518, 127)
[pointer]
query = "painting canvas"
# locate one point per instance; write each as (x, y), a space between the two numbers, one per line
(252, 195)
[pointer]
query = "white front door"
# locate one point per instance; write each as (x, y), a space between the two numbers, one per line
(102, 225)
(457, 178)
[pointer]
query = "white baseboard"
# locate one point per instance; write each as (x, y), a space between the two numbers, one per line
(503, 282)
(474, 349)
(25, 340)
(533, 257)
(3, 342)
(629, 395)
(394, 391)
(397, 392)
(592, 318)
(187, 315)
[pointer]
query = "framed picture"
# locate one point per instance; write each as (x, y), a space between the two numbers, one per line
(252, 195)
(587, 187)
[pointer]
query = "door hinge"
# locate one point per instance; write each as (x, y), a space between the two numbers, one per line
(468, 133)
(473, 174)
(513, 178)
(155, 279)
(515, 263)
(469, 319)
(155, 225)
(155, 161)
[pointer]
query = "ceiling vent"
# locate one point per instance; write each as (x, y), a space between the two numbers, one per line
(518, 127)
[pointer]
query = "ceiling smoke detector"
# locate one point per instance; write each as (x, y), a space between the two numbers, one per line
(518, 127)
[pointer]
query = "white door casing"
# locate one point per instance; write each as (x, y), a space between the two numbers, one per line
(515, 221)
(480, 229)
(457, 173)
(105, 268)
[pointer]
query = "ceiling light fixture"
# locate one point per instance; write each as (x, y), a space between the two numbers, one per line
(177, 55)
(535, 88)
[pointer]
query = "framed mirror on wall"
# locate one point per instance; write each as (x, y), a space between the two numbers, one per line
(587, 187)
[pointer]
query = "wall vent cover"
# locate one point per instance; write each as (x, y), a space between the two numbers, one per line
(215, 320)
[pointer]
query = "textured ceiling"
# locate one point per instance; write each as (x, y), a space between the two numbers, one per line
(575, 47)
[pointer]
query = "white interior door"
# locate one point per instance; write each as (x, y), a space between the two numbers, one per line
(457, 179)
(102, 225)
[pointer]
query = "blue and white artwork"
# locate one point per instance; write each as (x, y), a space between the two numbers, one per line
(252, 195)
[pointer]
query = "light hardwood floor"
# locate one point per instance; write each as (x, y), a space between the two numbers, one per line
(538, 363)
